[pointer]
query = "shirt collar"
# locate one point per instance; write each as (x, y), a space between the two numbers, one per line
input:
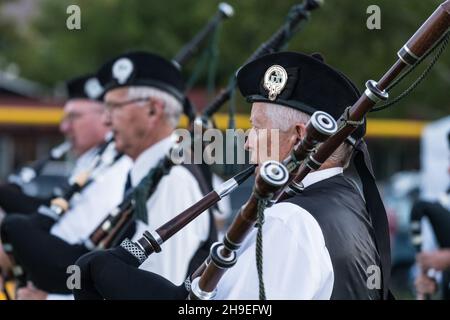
(320, 175)
(148, 159)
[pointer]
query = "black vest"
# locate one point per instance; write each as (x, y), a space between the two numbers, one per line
(341, 212)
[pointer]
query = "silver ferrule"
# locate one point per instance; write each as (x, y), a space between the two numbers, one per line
(313, 164)
(199, 293)
(295, 187)
(226, 188)
(60, 150)
(137, 244)
(371, 96)
(27, 174)
(57, 209)
(89, 244)
(226, 9)
(46, 211)
(374, 93)
(416, 239)
(412, 54)
(115, 212)
(407, 56)
(106, 225)
(16, 179)
(156, 236)
(237, 245)
(290, 191)
(17, 271)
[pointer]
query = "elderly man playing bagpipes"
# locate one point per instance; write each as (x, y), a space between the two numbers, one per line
(37, 243)
(323, 235)
(321, 238)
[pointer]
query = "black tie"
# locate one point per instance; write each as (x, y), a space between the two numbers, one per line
(128, 185)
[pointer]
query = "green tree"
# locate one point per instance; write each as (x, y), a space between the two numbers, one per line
(49, 52)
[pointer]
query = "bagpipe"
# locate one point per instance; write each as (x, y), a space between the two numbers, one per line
(297, 15)
(271, 176)
(277, 181)
(30, 172)
(320, 126)
(106, 234)
(224, 11)
(118, 219)
(433, 32)
(106, 156)
(439, 218)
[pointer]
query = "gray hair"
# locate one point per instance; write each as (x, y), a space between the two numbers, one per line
(285, 118)
(172, 107)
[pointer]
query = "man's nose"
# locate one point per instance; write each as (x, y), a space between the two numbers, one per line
(64, 126)
(249, 140)
(106, 118)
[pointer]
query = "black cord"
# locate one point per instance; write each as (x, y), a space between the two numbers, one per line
(262, 204)
(442, 44)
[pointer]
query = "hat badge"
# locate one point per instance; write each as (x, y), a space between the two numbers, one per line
(93, 88)
(275, 80)
(122, 70)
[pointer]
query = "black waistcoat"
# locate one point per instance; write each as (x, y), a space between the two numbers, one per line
(339, 209)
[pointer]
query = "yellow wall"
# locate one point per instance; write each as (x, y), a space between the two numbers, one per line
(50, 116)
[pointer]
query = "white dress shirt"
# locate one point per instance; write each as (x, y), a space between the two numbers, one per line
(90, 207)
(296, 262)
(84, 162)
(176, 191)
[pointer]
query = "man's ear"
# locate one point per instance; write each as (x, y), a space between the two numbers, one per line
(300, 131)
(155, 108)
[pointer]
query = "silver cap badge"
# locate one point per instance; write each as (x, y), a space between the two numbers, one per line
(122, 70)
(93, 88)
(275, 80)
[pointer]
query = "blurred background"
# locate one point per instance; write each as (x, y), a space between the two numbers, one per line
(408, 142)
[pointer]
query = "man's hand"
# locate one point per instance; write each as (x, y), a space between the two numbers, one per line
(31, 293)
(5, 263)
(425, 286)
(5, 267)
(438, 260)
(2, 282)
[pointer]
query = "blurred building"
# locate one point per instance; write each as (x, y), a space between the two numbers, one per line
(28, 124)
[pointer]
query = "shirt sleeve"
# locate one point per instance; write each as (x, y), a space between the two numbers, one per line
(296, 263)
(306, 271)
(93, 204)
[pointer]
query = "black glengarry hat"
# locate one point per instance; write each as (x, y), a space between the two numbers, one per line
(142, 69)
(84, 87)
(298, 81)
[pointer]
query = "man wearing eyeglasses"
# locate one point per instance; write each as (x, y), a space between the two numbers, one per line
(44, 249)
(81, 125)
(144, 96)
